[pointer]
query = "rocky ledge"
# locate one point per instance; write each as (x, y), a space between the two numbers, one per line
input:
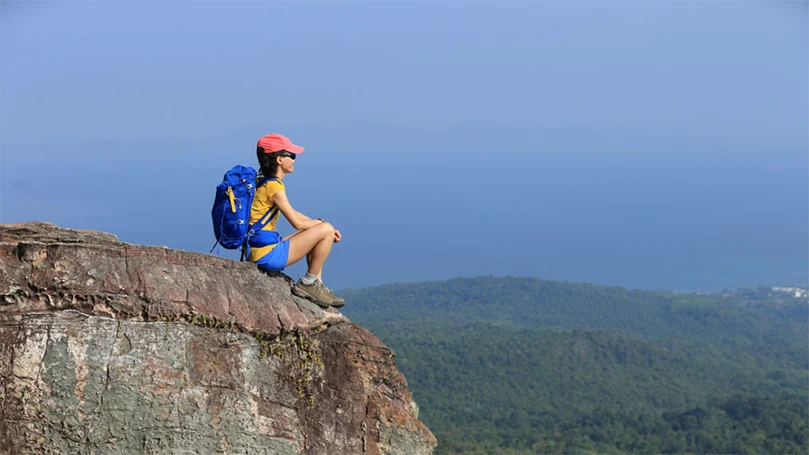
(109, 347)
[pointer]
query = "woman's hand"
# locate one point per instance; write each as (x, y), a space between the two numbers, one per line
(337, 236)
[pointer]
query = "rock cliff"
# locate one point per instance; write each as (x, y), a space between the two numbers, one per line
(108, 347)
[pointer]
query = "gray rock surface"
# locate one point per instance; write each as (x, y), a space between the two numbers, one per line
(107, 347)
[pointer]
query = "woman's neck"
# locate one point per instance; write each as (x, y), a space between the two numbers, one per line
(279, 174)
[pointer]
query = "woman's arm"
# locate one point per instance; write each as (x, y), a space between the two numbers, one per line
(298, 220)
(304, 217)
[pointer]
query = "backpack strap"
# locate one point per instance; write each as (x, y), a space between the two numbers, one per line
(258, 225)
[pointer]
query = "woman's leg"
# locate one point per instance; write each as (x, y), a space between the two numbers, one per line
(308, 257)
(309, 261)
(315, 244)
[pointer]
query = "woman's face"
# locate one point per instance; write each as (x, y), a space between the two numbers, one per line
(287, 162)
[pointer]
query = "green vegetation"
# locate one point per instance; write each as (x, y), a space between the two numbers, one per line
(522, 366)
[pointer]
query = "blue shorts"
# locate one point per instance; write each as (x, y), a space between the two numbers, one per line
(276, 259)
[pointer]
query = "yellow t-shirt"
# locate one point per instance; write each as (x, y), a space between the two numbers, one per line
(262, 202)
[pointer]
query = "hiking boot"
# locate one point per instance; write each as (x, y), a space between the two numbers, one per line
(337, 302)
(315, 292)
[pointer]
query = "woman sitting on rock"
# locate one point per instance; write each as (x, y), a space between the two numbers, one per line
(276, 157)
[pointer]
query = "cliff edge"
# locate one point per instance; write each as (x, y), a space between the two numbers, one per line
(109, 347)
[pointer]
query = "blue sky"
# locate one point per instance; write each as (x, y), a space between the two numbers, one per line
(642, 144)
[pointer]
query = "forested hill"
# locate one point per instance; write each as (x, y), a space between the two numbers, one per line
(523, 365)
(742, 316)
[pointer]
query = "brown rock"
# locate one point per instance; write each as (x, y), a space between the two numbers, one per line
(108, 347)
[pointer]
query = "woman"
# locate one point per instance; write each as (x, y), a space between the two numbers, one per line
(314, 239)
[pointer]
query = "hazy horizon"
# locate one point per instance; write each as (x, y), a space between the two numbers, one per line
(660, 145)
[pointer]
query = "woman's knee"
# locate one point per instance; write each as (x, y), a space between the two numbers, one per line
(327, 230)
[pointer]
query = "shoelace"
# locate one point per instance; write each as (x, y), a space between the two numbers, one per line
(331, 291)
(322, 286)
(328, 289)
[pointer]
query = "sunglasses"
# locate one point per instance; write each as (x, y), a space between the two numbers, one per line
(290, 155)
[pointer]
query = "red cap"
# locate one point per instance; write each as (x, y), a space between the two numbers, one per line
(275, 143)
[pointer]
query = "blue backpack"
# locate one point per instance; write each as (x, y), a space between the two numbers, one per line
(231, 209)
